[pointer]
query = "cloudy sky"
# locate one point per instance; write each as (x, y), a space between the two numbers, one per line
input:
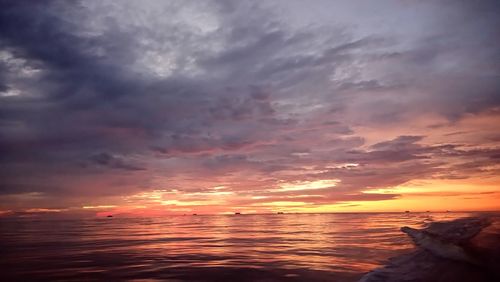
(172, 107)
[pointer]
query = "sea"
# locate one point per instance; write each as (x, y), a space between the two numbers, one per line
(260, 247)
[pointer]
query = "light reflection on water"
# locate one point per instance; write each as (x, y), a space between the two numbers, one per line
(248, 247)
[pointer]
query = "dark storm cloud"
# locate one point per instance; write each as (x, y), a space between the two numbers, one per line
(105, 159)
(84, 98)
(107, 94)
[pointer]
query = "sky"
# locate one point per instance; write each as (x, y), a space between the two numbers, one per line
(144, 108)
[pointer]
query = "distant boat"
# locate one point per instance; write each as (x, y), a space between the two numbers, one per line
(194, 214)
(280, 212)
(407, 211)
(109, 216)
(237, 213)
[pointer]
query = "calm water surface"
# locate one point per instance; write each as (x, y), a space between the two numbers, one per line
(295, 247)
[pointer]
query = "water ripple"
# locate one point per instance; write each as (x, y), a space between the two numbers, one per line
(292, 247)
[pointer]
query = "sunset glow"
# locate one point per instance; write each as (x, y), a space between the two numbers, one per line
(214, 107)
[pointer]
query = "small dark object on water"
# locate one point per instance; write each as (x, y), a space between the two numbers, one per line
(109, 216)
(407, 211)
(194, 214)
(280, 212)
(237, 213)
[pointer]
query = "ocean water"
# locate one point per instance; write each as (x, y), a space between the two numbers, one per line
(274, 247)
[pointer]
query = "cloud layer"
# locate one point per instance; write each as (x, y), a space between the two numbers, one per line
(229, 105)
